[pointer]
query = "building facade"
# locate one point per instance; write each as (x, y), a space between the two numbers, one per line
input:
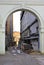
(9, 6)
(30, 29)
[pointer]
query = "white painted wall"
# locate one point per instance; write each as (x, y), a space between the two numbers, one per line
(8, 7)
(22, 1)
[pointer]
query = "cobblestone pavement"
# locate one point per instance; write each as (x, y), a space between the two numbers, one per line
(18, 59)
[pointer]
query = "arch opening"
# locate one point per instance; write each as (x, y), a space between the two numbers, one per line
(34, 25)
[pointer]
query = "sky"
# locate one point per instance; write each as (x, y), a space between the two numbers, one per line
(16, 21)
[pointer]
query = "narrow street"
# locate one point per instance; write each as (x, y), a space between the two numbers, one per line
(21, 59)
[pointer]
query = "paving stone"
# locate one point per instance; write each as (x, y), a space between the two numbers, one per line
(18, 59)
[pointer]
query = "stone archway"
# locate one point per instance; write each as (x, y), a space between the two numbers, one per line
(20, 8)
